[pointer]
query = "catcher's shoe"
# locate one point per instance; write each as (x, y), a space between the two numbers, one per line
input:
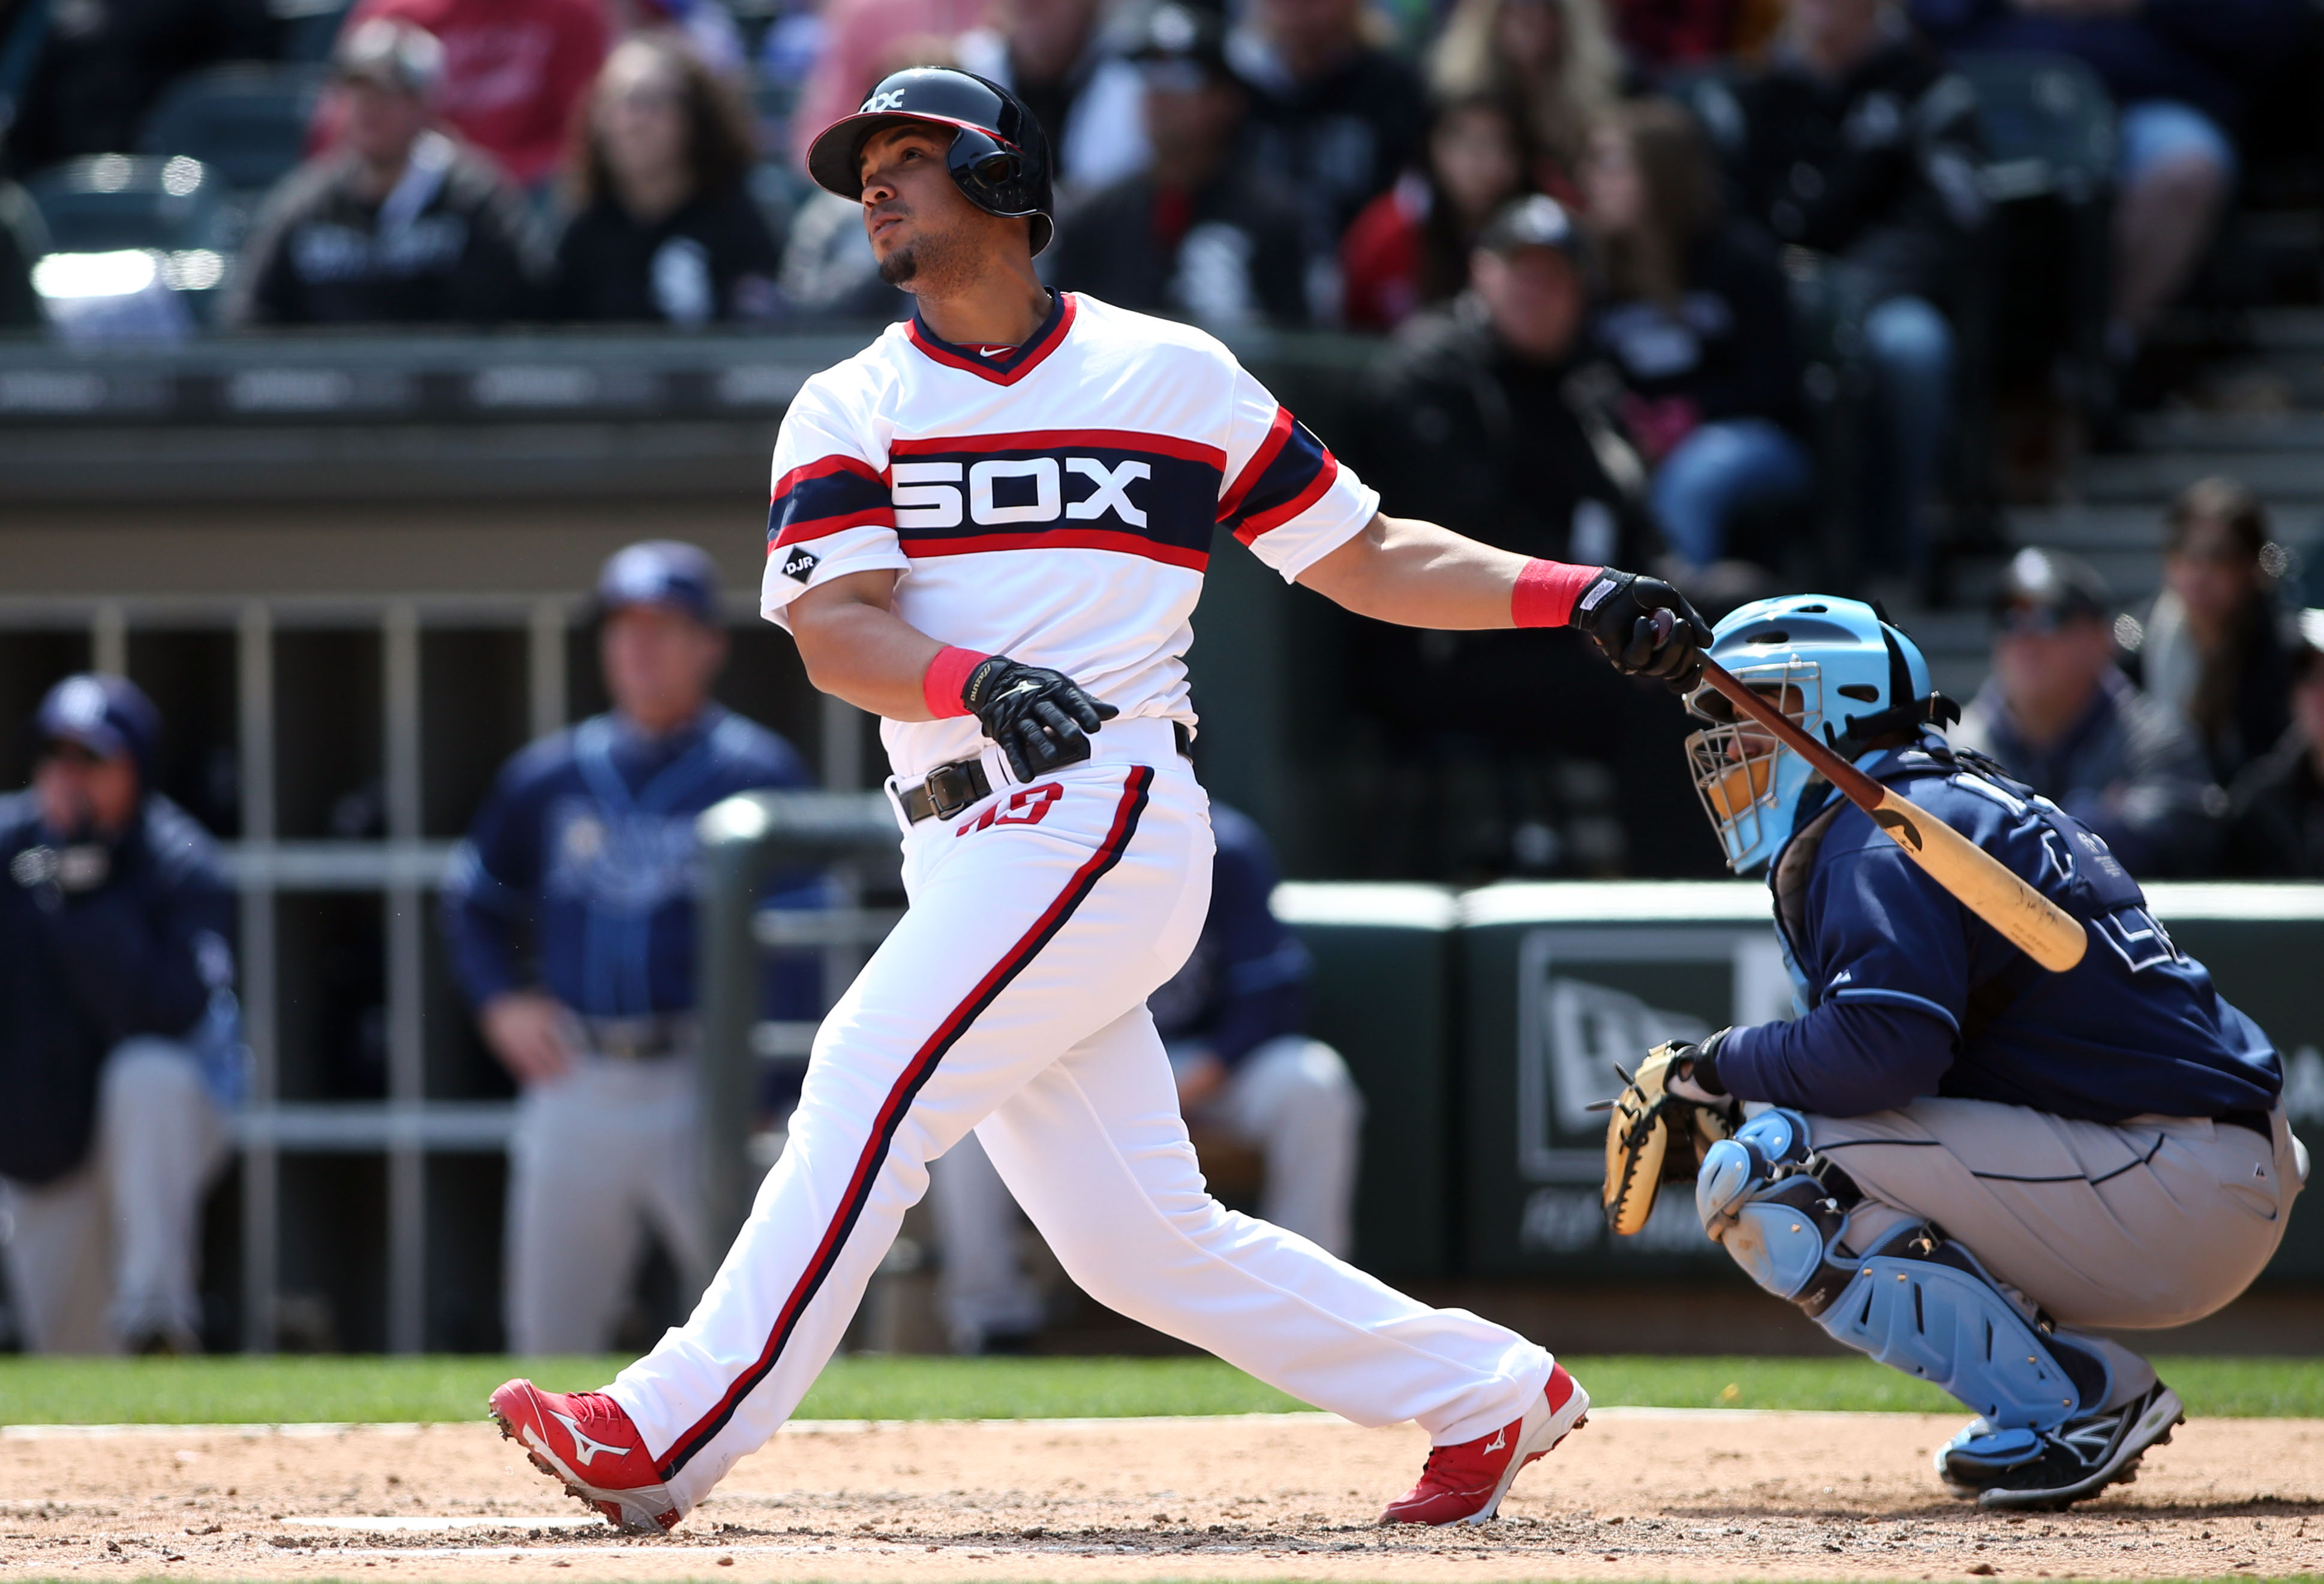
(2021, 1469)
(1465, 1483)
(584, 1439)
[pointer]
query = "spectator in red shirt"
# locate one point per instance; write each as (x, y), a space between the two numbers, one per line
(514, 71)
(1409, 247)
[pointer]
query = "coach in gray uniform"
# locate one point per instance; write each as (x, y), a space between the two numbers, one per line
(582, 861)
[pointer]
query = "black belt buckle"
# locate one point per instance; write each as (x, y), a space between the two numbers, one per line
(950, 788)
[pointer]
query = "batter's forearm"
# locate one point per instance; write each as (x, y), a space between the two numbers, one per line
(857, 649)
(1416, 573)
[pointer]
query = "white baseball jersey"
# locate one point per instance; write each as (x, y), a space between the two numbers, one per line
(1054, 502)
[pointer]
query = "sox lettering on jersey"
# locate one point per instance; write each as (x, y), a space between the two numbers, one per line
(927, 494)
(1139, 495)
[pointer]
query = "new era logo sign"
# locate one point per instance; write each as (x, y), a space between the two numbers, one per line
(799, 563)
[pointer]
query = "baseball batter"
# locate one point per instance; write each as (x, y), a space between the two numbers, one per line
(1958, 1161)
(989, 528)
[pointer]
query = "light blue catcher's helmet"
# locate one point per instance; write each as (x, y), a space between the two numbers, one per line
(1844, 673)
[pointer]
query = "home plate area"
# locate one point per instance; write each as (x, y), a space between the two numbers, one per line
(1641, 1493)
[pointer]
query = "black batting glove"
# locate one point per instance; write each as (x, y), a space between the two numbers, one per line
(1617, 611)
(1040, 718)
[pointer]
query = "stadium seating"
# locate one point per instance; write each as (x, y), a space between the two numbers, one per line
(245, 121)
(104, 206)
(2048, 125)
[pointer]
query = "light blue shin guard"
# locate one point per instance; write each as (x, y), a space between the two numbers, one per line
(1763, 1197)
(1919, 1302)
(1923, 1303)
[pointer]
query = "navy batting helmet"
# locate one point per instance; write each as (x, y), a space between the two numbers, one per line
(999, 157)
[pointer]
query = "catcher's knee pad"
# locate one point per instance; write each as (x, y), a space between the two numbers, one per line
(1777, 1208)
(1922, 1304)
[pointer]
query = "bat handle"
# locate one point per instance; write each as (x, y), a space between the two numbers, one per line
(1664, 624)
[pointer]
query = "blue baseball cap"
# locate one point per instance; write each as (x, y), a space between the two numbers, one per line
(661, 572)
(108, 715)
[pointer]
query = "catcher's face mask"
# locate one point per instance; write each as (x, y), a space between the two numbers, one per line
(1748, 782)
(1826, 659)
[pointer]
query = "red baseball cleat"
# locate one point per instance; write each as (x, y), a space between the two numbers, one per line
(584, 1439)
(1465, 1483)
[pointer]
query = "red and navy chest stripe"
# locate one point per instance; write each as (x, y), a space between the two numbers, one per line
(1139, 495)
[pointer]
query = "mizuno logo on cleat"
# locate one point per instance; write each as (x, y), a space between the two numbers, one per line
(1500, 1440)
(584, 1449)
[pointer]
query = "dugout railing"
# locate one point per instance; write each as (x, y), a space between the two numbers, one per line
(338, 745)
(745, 842)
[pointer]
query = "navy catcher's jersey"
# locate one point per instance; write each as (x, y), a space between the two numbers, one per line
(587, 838)
(1910, 994)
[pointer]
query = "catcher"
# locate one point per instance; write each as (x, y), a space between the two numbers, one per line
(1953, 1160)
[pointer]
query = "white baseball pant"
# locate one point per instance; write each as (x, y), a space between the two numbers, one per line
(1012, 994)
(1294, 1099)
(105, 1254)
(1291, 1098)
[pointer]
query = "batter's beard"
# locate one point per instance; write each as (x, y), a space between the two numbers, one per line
(931, 261)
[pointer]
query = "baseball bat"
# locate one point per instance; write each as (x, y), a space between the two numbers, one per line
(2027, 919)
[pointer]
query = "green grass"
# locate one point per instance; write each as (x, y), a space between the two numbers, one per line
(258, 1390)
(242, 1391)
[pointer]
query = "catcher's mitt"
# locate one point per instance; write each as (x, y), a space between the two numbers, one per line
(1646, 1123)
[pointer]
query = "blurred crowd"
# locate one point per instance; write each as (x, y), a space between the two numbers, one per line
(1730, 166)
(2189, 731)
(1732, 289)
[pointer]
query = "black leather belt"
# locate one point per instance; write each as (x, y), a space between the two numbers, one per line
(2257, 1121)
(948, 789)
(962, 783)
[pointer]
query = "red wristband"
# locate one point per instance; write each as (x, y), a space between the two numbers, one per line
(946, 675)
(1546, 592)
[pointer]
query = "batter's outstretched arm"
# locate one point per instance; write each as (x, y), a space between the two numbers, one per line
(1416, 573)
